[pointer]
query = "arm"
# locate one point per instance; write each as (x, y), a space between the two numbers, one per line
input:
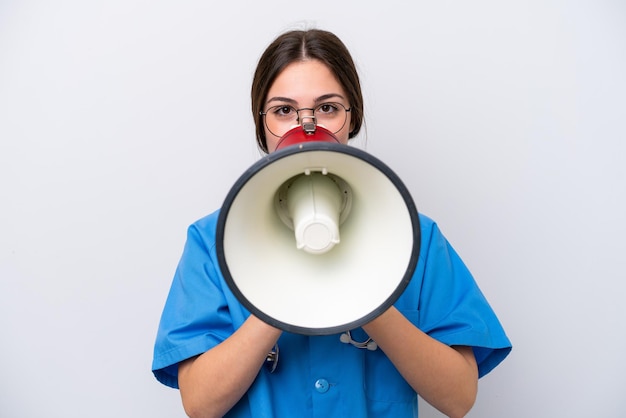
(446, 377)
(213, 382)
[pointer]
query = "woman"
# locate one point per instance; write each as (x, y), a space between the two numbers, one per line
(436, 341)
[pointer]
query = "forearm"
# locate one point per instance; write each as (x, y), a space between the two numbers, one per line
(445, 377)
(213, 382)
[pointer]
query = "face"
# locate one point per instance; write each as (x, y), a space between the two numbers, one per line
(306, 84)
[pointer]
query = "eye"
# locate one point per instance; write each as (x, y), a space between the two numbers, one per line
(283, 111)
(327, 109)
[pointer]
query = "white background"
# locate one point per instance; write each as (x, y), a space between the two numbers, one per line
(122, 122)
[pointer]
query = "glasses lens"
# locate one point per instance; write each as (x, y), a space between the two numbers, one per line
(331, 116)
(280, 119)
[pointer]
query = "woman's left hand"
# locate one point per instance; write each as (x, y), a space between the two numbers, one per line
(444, 376)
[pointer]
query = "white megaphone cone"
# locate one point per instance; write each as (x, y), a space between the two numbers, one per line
(317, 237)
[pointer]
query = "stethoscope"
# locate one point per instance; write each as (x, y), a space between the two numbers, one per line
(368, 344)
(271, 361)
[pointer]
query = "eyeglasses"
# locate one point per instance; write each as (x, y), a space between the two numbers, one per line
(280, 119)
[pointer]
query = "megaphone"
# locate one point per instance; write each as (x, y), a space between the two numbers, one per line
(318, 237)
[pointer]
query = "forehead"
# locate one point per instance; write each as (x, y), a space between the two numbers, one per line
(305, 81)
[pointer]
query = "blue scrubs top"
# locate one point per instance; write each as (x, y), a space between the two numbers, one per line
(319, 376)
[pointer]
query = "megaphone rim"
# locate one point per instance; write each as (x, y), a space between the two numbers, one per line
(311, 147)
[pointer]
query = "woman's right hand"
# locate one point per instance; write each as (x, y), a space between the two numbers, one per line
(213, 382)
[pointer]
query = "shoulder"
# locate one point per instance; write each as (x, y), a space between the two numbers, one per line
(426, 223)
(429, 230)
(204, 229)
(208, 222)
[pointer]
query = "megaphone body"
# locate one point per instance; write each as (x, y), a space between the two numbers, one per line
(318, 237)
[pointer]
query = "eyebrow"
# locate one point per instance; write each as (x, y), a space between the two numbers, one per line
(319, 99)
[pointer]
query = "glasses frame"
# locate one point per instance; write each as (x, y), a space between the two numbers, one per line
(309, 126)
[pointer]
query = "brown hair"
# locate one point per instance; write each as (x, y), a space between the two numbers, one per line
(301, 45)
